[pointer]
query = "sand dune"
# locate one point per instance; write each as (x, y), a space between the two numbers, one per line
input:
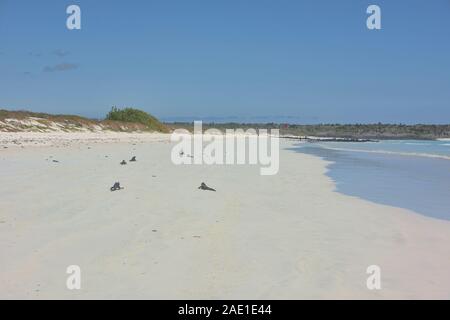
(288, 236)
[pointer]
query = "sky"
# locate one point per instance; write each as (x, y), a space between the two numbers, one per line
(293, 61)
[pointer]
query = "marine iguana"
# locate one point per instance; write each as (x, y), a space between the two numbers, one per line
(203, 186)
(116, 186)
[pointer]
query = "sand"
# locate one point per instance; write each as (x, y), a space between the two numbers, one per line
(288, 236)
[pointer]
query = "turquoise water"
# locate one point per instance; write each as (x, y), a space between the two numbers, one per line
(411, 174)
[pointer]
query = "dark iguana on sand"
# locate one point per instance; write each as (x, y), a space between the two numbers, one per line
(116, 186)
(203, 186)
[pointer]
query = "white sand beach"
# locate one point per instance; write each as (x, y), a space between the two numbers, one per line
(287, 236)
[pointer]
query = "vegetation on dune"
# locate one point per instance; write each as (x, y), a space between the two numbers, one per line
(136, 116)
(127, 120)
(22, 114)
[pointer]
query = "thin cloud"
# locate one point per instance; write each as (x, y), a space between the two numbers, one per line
(61, 53)
(60, 67)
(35, 54)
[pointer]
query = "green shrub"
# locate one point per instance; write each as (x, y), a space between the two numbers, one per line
(136, 116)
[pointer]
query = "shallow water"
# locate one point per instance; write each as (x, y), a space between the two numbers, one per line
(409, 174)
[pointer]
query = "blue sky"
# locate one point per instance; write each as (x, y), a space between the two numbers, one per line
(298, 61)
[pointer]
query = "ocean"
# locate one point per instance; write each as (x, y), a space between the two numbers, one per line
(411, 174)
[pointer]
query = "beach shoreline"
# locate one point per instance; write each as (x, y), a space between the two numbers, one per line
(287, 236)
